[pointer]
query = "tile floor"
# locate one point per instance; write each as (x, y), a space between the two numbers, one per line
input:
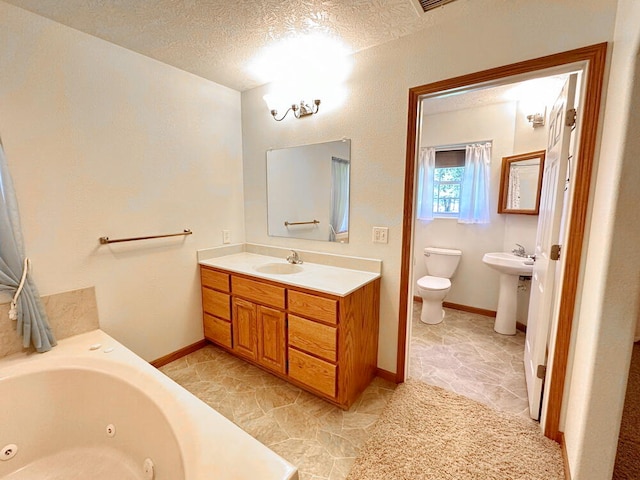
(320, 439)
(463, 354)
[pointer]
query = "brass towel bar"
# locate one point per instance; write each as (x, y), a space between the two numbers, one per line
(105, 240)
(314, 222)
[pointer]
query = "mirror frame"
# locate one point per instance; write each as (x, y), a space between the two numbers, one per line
(504, 182)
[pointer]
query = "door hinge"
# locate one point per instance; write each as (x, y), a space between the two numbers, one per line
(541, 371)
(555, 252)
(570, 119)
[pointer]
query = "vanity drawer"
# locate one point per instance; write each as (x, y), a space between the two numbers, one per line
(217, 330)
(313, 372)
(258, 292)
(313, 337)
(213, 279)
(216, 303)
(320, 308)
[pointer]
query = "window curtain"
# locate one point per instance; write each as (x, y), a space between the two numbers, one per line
(339, 197)
(426, 169)
(26, 307)
(474, 197)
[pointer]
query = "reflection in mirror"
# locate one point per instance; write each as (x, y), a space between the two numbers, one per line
(520, 183)
(308, 191)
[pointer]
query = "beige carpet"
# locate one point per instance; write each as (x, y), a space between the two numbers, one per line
(426, 432)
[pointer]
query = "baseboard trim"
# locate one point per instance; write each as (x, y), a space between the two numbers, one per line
(467, 308)
(386, 375)
(565, 458)
(464, 308)
(160, 362)
(480, 311)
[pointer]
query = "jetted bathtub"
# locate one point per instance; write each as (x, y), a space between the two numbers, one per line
(91, 409)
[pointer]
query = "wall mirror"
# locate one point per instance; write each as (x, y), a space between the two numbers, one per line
(308, 191)
(520, 183)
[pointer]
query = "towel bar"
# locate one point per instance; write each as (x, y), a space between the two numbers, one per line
(314, 222)
(106, 240)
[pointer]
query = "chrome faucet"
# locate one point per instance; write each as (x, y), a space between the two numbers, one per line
(519, 252)
(294, 258)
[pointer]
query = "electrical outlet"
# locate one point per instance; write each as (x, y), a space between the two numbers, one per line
(380, 235)
(226, 236)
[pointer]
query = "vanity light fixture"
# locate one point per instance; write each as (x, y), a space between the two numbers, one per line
(537, 119)
(299, 111)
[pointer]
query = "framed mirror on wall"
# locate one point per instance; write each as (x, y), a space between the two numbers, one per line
(520, 183)
(308, 191)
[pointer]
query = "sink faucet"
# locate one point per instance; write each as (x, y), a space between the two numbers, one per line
(519, 252)
(294, 258)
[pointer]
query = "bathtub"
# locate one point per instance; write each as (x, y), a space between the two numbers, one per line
(90, 408)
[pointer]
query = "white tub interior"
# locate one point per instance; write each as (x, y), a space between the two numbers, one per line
(84, 422)
(90, 408)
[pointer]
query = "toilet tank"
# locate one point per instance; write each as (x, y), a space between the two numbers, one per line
(441, 262)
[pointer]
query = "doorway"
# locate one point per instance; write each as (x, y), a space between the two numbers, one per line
(591, 60)
(462, 352)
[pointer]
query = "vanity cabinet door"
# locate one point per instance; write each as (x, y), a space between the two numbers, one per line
(271, 348)
(244, 328)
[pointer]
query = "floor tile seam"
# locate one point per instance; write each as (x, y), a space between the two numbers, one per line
(514, 393)
(335, 467)
(348, 440)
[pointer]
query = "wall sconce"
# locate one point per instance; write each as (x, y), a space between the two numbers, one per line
(537, 119)
(299, 111)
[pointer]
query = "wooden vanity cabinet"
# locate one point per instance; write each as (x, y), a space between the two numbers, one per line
(272, 339)
(216, 306)
(324, 343)
(259, 334)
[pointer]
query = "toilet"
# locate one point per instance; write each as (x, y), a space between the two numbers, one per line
(441, 264)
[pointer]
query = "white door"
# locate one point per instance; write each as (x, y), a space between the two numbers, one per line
(548, 234)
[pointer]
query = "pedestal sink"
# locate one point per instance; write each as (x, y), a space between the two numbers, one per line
(510, 267)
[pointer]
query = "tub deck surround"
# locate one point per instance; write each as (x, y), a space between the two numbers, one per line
(316, 327)
(61, 402)
(70, 313)
(313, 276)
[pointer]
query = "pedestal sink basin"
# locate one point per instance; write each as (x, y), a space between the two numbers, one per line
(508, 263)
(278, 268)
(510, 267)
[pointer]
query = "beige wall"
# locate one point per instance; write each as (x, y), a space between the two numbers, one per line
(103, 141)
(374, 116)
(474, 284)
(609, 305)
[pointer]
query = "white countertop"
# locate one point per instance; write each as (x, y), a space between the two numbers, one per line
(323, 278)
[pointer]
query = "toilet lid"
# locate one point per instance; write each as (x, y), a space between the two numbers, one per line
(434, 283)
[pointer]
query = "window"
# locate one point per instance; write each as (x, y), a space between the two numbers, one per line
(447, 182)
(454, 183)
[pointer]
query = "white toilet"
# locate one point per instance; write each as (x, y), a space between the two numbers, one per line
(441, 264)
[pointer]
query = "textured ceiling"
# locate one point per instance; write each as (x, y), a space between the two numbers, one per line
(217, 39)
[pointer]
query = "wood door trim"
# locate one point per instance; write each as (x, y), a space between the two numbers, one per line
(594, 57)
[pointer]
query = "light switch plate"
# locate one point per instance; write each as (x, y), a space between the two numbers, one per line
(226, 236)
(380, 235)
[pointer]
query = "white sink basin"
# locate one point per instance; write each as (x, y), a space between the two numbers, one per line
(508, 263)
(278, 268)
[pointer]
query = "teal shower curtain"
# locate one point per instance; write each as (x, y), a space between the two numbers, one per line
(26, 308)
